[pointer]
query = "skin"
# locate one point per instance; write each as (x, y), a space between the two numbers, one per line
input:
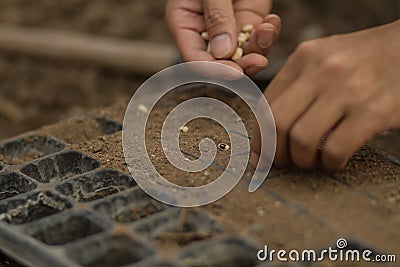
(188, 18)
(345, 88)
(342, 89)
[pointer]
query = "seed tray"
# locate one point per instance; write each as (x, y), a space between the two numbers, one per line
(28, 148)
(14, 183)
(96, 185)
(128, 206)
(62, 209)
(66, 227)
(155, 263)
(224, 252)
(108, 126)
(32, 206)
(182, 226)
(60, 166)
(109, 250)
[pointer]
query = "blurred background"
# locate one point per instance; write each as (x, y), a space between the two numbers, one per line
(37, 90)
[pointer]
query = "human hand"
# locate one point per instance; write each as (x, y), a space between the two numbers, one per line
(344, 88)
(223, 19)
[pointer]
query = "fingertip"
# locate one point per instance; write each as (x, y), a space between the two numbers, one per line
(274, 20)
(253, 62)
(222, 46)
(253, 70)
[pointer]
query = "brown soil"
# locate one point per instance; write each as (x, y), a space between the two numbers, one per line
(294, 209)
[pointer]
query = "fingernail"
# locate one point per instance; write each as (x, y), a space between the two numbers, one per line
(221, 45)
(253, 70)
(265, 38)
(274, 20)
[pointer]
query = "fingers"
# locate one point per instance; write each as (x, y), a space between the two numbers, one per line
(221, 27)
(192, 46)
(264, 37)
(185, 20)
(252, 63)
(306, 134)
(348, 137)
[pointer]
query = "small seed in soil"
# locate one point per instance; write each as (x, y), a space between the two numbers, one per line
(238, 54)
(223, 146)
(184, 129)
(204, 35)
(248, 28)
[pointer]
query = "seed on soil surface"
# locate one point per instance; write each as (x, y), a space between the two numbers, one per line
(184, 129)
(248, 28)
(204, 35)
(238, 54)
(223, 146)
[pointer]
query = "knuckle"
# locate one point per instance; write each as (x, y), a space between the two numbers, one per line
(375, 109)
(306, 48)
(215, 18)
(356, 89)
(334, 64)
(299, 138)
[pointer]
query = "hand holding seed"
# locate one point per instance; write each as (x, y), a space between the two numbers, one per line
(242, 38)
(239, 34)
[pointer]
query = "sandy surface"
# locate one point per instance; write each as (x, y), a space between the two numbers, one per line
(293, 209)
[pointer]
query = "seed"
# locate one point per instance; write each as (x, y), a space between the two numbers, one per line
(238, 54)
(209, 47)
(242, 38)
(204, 35)
(248, 28)
(223, 146)
(184, 129)
(143, 109)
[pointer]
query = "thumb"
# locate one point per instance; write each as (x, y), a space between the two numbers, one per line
(221, 27)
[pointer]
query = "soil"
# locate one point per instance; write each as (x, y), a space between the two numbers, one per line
(294, 209)
(360, 202)
(132, 214)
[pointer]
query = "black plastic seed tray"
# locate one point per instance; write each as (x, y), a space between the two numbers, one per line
(184, 226)
(60, 166)
(60, 208)
(108, 126)
(95, 185)
(224, 252)
(14, 183)
(29, 148)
